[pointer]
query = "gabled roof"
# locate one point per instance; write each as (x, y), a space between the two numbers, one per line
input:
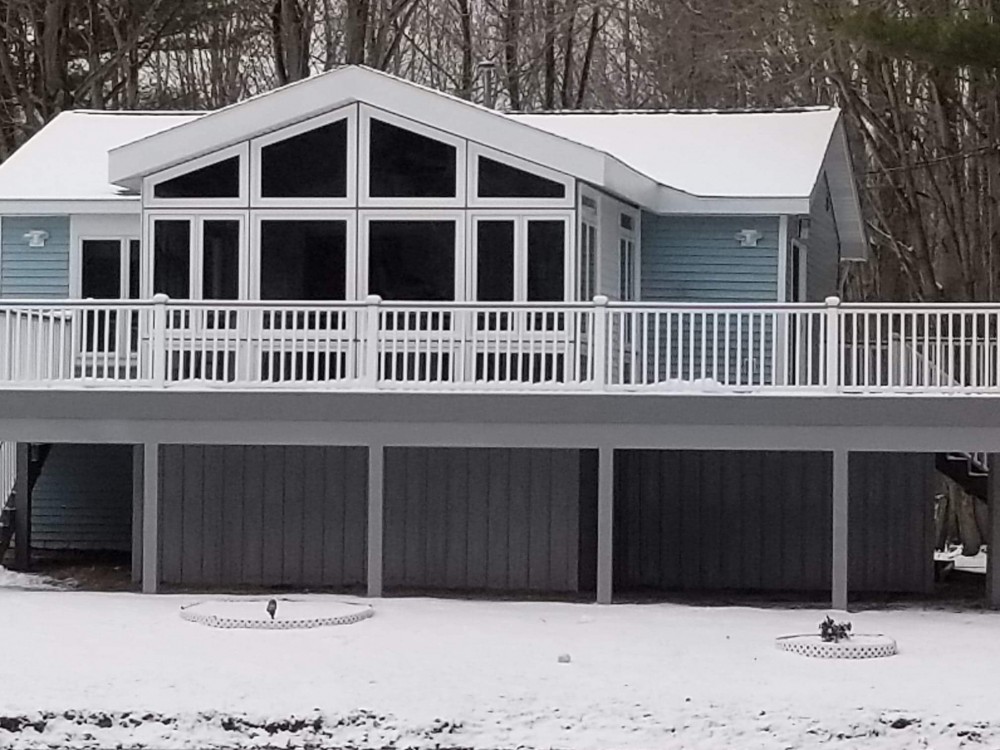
(67, 161)
(666, 162)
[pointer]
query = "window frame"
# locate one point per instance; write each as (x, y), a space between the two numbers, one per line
(124, 266)
(592, 218)
(366, 217)
(630, 236)
(477, 150)
(196, 250)
(348, 113)
(366, 114)
(352, 287)
(240, 150)
(521, 220)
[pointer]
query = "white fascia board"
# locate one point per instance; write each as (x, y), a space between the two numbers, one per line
(626, 183)
(60, 207)
(314, 96)
(844, 192)
(676, 202)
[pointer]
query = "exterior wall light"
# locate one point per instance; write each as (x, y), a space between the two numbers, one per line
(36, 237)
(748, 237)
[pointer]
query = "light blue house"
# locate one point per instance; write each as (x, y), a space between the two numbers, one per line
(356, 332)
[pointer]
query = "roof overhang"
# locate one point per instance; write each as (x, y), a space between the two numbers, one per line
(839, 169)
(49, 207)
(128, 164)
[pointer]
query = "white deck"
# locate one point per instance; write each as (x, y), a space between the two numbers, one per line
(510, 347)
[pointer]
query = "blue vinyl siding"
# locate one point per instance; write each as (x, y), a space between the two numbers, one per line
(83, 499)
(698, 259)
(34, 272)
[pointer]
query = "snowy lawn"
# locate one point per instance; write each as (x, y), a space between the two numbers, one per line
(104, 670)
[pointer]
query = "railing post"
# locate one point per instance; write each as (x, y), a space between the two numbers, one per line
(372, 314)
(833, 344)
(159, 340)
(600, 347)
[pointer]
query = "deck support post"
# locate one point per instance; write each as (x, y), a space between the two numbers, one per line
(22, 513)
(150, 517)
(841, 482)
(376, 485)
(138, 487)
(605, 523)
(993, 542)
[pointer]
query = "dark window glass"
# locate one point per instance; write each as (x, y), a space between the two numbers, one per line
(309, 165)
(172, 258)
(102, 270)
(412, 260)
(221, 260)
(404, 164)
(219, 180)
(499, 180)
(495, 261)
(303, 260)
(546, 255)
(134, 268)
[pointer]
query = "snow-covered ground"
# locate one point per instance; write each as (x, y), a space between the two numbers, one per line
(98, 670)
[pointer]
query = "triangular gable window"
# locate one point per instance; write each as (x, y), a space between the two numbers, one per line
(499, 180)
(312, 164)
(405, 164)
(218, 180)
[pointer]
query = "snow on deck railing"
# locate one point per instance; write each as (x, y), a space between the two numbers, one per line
(584, 347)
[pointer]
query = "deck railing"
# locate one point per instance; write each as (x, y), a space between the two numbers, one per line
(598, 346)
(8, 471)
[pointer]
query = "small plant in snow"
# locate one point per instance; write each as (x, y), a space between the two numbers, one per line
(834, 632)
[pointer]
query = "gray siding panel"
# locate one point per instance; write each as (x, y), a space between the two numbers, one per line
(495, 519)
(83, 499)
(266, 515)
(755, 520)
(698, 259)
(823, 246)
(34, 272)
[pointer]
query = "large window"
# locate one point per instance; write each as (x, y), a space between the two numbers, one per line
(519, 258)
(412, 259)
(546, 260)
(303, 260)
(172, 258)
(312, 164)
(220, 269)
(495, 251)
(405, 164)
(198, 257)
(499, 180)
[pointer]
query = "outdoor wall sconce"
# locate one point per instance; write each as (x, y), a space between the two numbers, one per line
(748, 237)
(36, 237)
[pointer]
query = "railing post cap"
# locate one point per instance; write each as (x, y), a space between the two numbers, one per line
(161, 299)
(373, 299)
(601, 299)
(833, 301)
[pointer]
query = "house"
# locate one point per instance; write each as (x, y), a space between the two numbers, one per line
(357, 332)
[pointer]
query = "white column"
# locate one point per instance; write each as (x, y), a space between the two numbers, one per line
(841, 481)
(150, 518)
(605, 523)
(993, 555)
(376, 483)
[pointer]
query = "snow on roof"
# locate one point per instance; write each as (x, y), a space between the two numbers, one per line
(68, 159)
(713, 154)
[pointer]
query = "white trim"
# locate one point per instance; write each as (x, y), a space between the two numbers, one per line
(348, 217)
(196, 248)
(521, 219)
(366, 217)
(366, 114)
(241, 150)
(477, 150)
(90, 227)
(784, 248)
(802, 249)
(350, 115)
(125, 206)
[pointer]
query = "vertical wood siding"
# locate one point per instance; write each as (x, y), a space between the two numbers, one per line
(698, 259)
(757, 520)
(477, 519)
(263, 515)
(83, 499)
(34, 272)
